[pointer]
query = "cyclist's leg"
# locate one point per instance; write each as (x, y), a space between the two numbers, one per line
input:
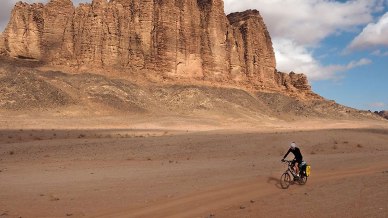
(297, 164)
(293, 163)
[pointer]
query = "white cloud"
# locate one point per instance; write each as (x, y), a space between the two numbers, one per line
(349, 66)
(7, 6)
(373, 35)
(298, 26)
(361, 62)
(293, 57)
(308, 21)
(376, 105)
(380, 53)
(5, 11)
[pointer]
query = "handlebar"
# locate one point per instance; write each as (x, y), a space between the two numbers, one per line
(287, 161)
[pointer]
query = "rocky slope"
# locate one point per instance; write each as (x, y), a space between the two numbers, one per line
(175, 40)
(27, 90)
(382, 114)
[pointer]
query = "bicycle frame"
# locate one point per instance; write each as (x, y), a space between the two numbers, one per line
(285, 179)
(290, 168)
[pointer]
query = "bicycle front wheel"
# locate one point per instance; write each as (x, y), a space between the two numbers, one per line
(285, 180)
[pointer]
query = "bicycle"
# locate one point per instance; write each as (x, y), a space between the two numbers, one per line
(285, 179)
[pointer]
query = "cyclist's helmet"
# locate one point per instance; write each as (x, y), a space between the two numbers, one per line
(293, 145)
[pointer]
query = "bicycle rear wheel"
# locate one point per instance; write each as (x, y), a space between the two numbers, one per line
(303, 180)
(285, 180)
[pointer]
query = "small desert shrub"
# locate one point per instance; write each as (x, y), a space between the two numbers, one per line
(335, 147)
(346, 142)
(53, 198)
(359, 146)
(11, 153)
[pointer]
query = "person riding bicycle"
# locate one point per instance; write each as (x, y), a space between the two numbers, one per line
(298, 157)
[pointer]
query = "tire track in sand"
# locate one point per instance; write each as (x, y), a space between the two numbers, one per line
(199, 203)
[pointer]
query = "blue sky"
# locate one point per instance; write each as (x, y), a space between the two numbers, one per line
(342, 46)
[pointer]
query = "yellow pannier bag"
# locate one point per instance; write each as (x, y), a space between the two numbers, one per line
(308, 170)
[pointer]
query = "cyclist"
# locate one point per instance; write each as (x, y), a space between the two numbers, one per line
(298, 157)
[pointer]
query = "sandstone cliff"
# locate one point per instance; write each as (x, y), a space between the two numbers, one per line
(168, 39)
(2, 45)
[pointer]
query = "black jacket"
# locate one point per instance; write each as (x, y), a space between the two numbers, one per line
(296, 153)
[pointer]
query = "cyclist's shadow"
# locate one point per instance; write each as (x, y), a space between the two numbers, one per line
(275, 181)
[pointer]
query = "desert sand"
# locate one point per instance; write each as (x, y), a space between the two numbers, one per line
(171, 109)
(164, 167)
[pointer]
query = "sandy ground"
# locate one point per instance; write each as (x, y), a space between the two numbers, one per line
(172, 170)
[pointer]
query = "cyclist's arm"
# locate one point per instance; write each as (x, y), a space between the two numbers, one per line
(289, 150)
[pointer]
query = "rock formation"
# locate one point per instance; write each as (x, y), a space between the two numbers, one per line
(2, 45)
(382, 114)
(173, 39)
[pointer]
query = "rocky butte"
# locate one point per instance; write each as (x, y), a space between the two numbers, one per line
(173, 40)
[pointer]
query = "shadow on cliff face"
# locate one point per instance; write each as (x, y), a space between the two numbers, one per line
(204, 5)
(21, 61)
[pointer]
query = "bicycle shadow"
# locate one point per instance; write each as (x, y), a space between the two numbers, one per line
(275, 181)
